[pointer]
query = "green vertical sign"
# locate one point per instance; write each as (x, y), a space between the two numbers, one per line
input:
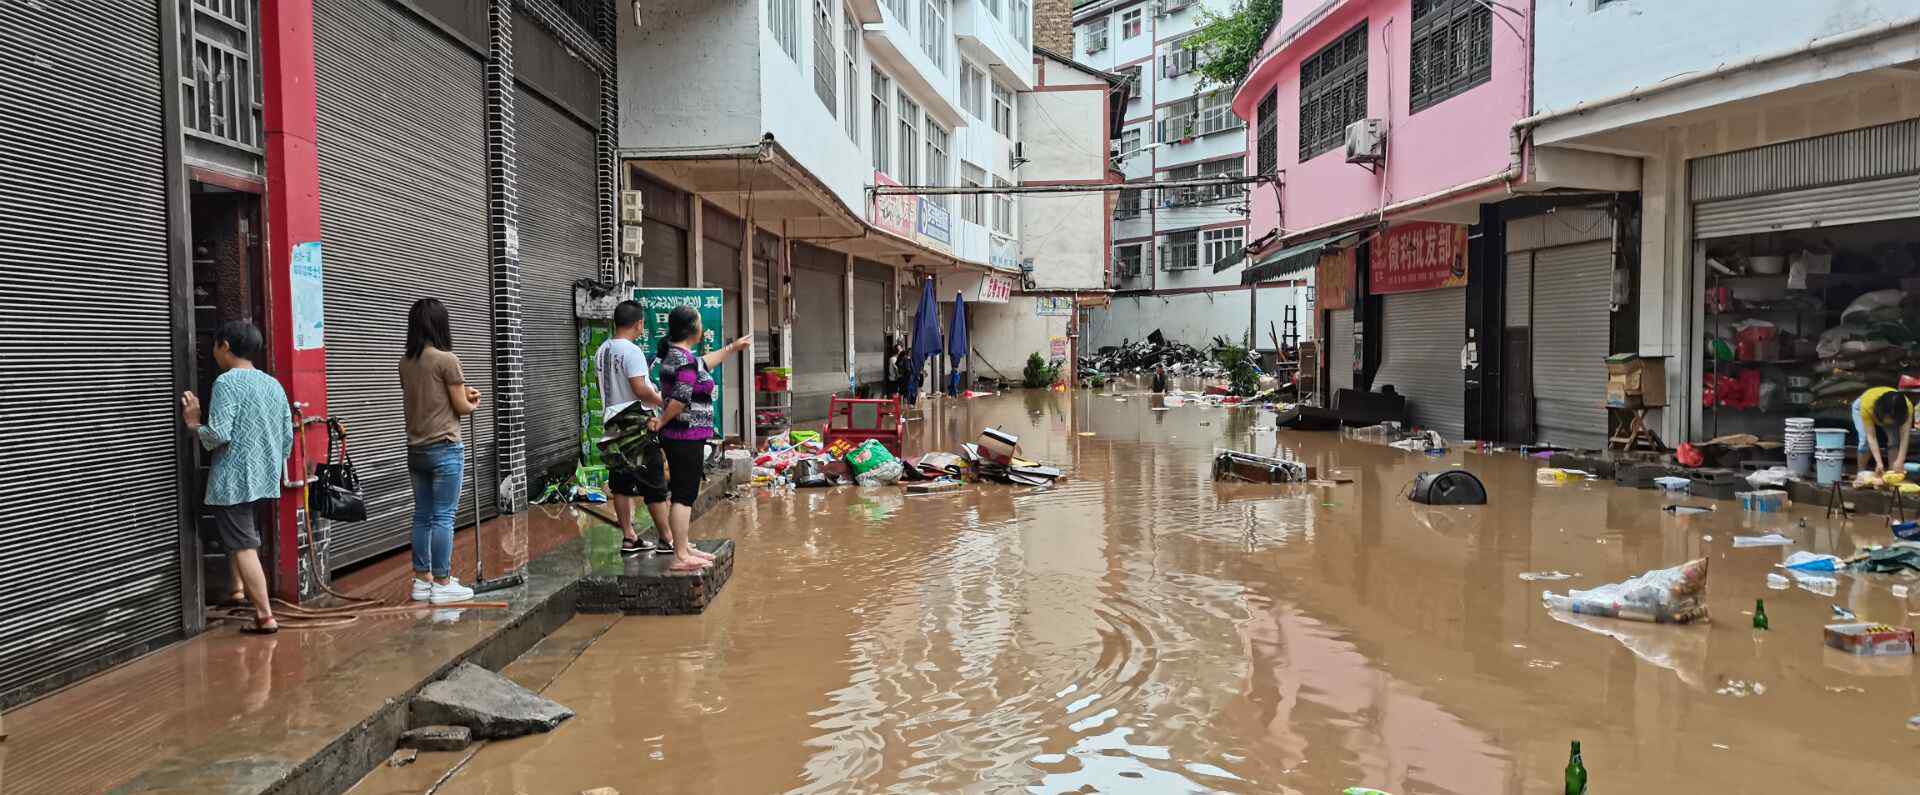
(593, 334)
(659, 301)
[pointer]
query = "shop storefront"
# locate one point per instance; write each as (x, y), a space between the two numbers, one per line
(1334, 291)
(872, 316)
(403, 202)
(1419, 270)
(1805, 255)
(1558, 292)
(819, 329)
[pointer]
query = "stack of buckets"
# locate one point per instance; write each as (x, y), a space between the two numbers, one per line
(1799, 447)
(1829, 455)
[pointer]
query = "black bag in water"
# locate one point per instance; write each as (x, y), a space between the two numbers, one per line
(335, 493)
(1452, 487)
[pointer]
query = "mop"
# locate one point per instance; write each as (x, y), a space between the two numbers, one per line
(481, 584)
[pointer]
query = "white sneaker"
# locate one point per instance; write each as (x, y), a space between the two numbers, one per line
(422, 589)
(452, 592)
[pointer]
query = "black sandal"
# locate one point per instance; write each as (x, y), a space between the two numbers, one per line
(256, 629)
(663, 548)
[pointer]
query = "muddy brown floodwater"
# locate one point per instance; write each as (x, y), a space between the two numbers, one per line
(1138, 628)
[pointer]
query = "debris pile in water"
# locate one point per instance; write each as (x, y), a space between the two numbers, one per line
(1179, 358)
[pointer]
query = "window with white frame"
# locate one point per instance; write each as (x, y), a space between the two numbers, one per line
(1207, 194)
(902, 10)
(1216, 114)
(1002, 109)
(933, 31)
(1022, 20)
(973, 205)
(1096, 35)
(938, 160)
(783, 19)
(850, 32)
(973, 90)
(1130, 24)
(881, 118)
(1002, 208)
(1126, 204)
(909, 139)
(1129, 142)
(825, 60)
(1178, 59)
(1178, 121)
(1180, 251)
(1133, 75)
(1219, 244)
(1127, 260)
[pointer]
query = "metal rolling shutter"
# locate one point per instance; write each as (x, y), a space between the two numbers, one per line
(403, 206)
(819, 330)
(1420, 357)
(1573, 285)
(1339, 352)
(1868, 174)
(558, 246)
(1856, 203)
(84, 231)
(872, 305)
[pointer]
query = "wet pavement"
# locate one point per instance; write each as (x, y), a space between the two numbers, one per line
(1139, 628)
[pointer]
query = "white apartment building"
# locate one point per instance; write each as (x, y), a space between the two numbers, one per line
(777, 116)
(1167, 242)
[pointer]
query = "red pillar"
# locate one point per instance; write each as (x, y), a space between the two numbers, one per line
(293, 218)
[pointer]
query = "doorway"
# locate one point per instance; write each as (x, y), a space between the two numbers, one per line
(227, 285)
(1517, 376)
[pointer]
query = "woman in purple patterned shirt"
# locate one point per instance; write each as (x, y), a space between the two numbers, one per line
(686, 422)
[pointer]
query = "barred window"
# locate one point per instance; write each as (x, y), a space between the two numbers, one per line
(1127, 205)
(1181, 252)
(825, 60)
(1269, 141)
(1179, 60)
(1126, 261)
(1180, 197)
(1452, 50)
(1333, 92)
(1096, 36)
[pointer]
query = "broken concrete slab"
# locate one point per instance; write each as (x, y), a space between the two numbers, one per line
(488, 703)
(437, 738)
(643, 584)
(403, 757)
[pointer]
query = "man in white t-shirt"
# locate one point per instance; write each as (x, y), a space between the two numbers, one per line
(625, 378)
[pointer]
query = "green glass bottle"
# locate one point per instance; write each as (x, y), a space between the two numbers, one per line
(1760, 614)
(1576, 772)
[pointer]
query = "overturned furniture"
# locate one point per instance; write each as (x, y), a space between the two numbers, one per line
(1449, 487)
(1235, 465)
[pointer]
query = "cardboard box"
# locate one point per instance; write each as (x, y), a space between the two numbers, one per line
(1636, 382)
(1870, 640)
(998, 446)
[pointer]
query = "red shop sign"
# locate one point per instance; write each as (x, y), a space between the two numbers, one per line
(1408, 258)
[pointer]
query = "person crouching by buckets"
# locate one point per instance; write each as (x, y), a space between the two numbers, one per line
(1883, 413)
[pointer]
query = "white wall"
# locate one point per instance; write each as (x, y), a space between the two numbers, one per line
(1584, 52)
(793, 111)
(1194, 318)
(1004, 334)
(683, 82)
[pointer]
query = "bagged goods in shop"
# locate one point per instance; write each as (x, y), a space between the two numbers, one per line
(1674, 595)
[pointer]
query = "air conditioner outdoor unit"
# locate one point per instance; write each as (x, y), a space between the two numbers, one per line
(1176, 5)
(1366, 142)
(632, 206)
(1158, 9)
(1017, 157)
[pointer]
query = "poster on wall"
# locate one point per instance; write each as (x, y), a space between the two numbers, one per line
(1333, 280)
(1053, 306)
(899, 215)
(658, 303)
(1058, 347)
(309, 297)
(1412, 257)
(593, 334)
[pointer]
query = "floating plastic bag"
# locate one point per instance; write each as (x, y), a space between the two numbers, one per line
(885, 473)
(1663, 596)
(871, 453)
(1770, 478)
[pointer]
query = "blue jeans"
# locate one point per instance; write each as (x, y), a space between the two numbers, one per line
(436, 472)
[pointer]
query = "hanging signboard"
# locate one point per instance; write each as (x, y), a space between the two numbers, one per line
(897, 214)
(658, 303)
(935, 226)
(1333, 280)
(979, 288)
(1003, 253)
(1409, 258)
(1053, 306)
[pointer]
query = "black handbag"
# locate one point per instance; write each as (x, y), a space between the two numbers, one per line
(335, 493)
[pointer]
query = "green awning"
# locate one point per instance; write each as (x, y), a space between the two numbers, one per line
(1290, 260)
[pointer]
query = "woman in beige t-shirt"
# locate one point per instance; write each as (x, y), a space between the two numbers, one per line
(437, 396)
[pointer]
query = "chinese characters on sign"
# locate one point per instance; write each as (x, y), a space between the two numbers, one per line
(1418, 256)
(995, 289)
(897, 214)
(1333, 280)
(658, 303)
(1053, 306)
(1058, 347)
(936, 224)
(309, 297)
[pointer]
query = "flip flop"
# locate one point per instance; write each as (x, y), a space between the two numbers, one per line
(260, 630)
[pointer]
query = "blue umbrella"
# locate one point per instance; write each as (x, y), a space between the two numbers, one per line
(926, 338)
(957, 343)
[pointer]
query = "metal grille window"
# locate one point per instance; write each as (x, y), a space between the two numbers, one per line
(1269, 138)
(933, 32)
(881, 118)
(1130, 24)
(1002, 109)
(1129, 142)
(221, 95)
(1216, 114)
(909, 114)
(1096, 35)
(1452, 50)
(938, 145)
(825, 61)
(1126, 261)
(973, 206)
(1133, 75)
(1333, 92)
(1002, 209)
(1178, 197)
(1219, 244)
(1180, 252)
(783, 18)
(851, 60)
(1179, 60)
(1127, 205)
(973, 90)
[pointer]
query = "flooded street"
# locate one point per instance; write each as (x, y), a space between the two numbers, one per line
(1138, 628)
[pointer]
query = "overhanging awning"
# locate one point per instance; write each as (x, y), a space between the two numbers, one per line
(1292, 259)
(1230, 260)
